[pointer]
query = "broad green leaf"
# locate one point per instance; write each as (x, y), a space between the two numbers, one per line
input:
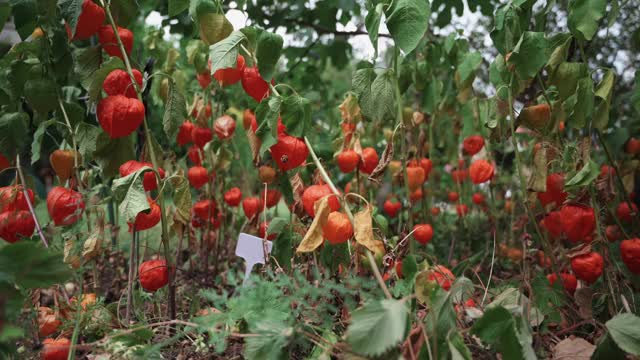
(111, 153)
(372, 23)
(585, 176)
(603, 94)
(625, 331)
(565, 77)
(181, 198)
(36, 143)
(582, 111)
(5, 12)
(31, 266)
(409, 267)
(506, 28)
(14, 128)
(267, 138)
(560, 51)
(175, 111)
(296, 114)
(124, 11)
(283, 246)
(70, 11)
(277, 225)
(267, 114)
(86, 62)
(86, 137)
(498, 328)
(530, 54)
(407, 21)
(224, 54)
(377, 99)
(469, 64)
(377, 327)
(177, 6)
(613, 13)
(607, 349)
(129, 192)
(24, 16)
(584, 16)
(41, 94)
(214, 27)
(95, 89)
(268, 52)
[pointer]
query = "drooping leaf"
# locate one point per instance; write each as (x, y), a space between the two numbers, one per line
(603, 93)
(86, 138)
(377, 326)
(296, 114)
(224, 54)
(372, 23)
(36, 143)
(268, 52)
(469, 64)
(111, 153)
(624, 329)
(313, 238)
(70, 11)
(213, 26)
(14, 128)
(584, 16)
(363, 231)
(530, 54)
(181, 197)
(407, 21)
(565, 77)
(129, 192)
(582, 111)
(175, 111)
(379, 102)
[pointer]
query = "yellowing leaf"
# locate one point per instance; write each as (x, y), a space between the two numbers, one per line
(363, 230)
(349, 109)
(214, 27)
(313, 238)
(69, 257)
(181, 197)
(538, 178)
(92, 245)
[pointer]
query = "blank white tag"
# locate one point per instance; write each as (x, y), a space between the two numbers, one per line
(251, 249)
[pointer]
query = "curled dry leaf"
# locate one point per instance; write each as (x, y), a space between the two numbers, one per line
(349, 109)
(581, 249)
(387, 155)
(584, 297)
(538, 178)
(363, 231)
(313, 238)
(92, 245)
(69, 255)
(254, 144)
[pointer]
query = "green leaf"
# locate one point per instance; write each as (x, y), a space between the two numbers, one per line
(96, 80)
(469, 64)
(111, 153)
(129, 192)
(296, 114)
(407, 21)
(224, 54)
(41, 94)
(14, 128)
(86, 62)
(124, 11)
(283, 247)
(635, 93)
(507, 29)
(24, 16)
(181, 198)
(30, 265)
(625, 331)
(565, 77)
(409, 267)
(457, 347)
(585, 176)
(177, 6)
(375, 96)
(530, 54)
(277, 225)
(607, 349)
(372, 23)
(213, 27)
(584, 16)
(5, 11)
(175, 111)
(498, 328)
(271, 342)
(86, 137)
(603, 94)
(268, 52)
(37, 140)
(560, 51)
(377, 327)
(70, 11)
(582, 111)
(269, 111)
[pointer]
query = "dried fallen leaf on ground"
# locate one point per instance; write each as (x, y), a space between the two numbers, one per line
(573, 349)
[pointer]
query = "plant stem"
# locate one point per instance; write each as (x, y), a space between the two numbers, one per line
(28, 200)
(132, 265)
(163, 216)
